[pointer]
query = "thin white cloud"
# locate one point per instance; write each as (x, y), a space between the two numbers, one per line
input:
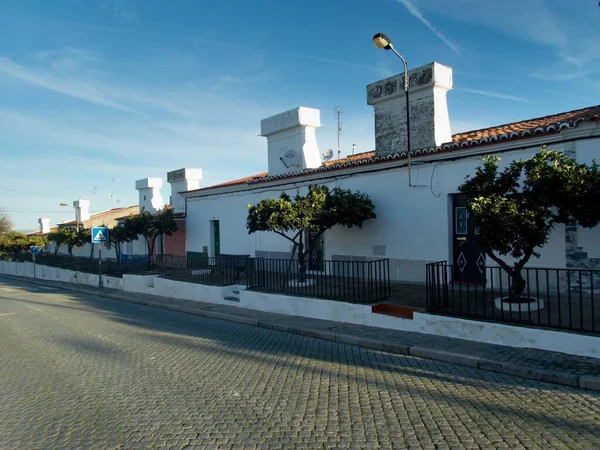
(493, 94)
(412, 9)
(49, 81)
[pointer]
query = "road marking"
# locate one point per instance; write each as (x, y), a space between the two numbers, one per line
(7, 314)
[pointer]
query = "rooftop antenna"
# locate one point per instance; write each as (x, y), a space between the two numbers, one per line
(338, 111)
(112, 194)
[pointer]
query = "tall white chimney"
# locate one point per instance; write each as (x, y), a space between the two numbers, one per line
(149, 193)
(428, 109)
(292, 140)
(181, 180)
(44, 225)
(82, 210)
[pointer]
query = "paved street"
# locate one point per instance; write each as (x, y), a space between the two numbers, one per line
(78, 370)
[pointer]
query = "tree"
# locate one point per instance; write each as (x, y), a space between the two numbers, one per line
(58, 237)
(118, 235)
(13, 242)
(70, 236)
(517, 208)
(151, 226)
(314, 213)
(5, 222)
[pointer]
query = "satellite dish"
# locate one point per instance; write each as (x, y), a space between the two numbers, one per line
(328, 154)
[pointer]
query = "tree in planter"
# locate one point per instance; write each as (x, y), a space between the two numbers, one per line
(314, 213)
(151, 226)
(517, 208)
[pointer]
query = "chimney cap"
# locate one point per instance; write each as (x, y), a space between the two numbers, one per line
(297, 117)
(148, 183)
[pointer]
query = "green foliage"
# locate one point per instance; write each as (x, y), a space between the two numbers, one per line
(316, 212)
(13, 243)
(71, 237)
(517, 208)
(151, 226)
(118, 235)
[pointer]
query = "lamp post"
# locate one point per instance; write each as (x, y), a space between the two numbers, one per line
(382, 41)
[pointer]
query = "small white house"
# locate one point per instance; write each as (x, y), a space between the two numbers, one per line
(420, 216)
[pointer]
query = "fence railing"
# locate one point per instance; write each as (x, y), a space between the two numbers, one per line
(352, 281)
(108, 266)
(216, 271)
(553, 298)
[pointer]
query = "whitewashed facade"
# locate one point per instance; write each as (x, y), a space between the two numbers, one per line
(415, 224)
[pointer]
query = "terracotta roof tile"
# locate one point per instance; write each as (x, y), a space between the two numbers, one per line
(591, 113)
(516, 130)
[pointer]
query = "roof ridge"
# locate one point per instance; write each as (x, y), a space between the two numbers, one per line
(532, 119)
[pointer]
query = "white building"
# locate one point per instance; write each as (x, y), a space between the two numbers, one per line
(418, 223)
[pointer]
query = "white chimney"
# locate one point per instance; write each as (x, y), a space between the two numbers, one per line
(44, 225)
(428, 109)
(182, 180)
(292, 140)
(149, 192)
(82, 210)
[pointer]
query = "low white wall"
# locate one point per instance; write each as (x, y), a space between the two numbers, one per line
(488, 332)
(154, 285)
(26, 269)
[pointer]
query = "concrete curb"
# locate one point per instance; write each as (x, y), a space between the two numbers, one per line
(588, 382)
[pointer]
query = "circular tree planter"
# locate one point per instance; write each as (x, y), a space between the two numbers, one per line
(298, 283)
(525, 304)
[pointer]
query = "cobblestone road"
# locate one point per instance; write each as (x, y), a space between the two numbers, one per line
(83, 371)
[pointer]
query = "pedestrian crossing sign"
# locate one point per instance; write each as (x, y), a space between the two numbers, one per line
(99, 235)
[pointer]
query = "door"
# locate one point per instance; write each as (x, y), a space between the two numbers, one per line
(468, 260)
(215, 238)
(316, 256)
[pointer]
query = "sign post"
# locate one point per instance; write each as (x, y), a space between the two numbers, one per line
(99, 236)
(34, 250)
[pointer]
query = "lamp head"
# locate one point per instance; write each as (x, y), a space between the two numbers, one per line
(382, 41)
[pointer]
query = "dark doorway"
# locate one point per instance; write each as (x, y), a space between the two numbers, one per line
(468, 260)
(215, 238)
(316, 254)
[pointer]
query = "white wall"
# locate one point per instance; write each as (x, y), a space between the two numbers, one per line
(412, 222)
(494, 333)
(55, 274)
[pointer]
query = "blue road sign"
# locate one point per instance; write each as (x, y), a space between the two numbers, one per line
(34, 249)
(99, 235)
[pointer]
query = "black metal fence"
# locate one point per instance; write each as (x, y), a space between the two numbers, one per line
(108, 266)
(352, 281)
(216, 271)
(553, 298)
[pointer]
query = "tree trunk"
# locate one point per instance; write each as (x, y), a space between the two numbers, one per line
(92, 251)
(301, 261)
(517, 286)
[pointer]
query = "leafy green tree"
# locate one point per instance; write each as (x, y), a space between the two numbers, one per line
(58, 238)
(151, 226)
(70, 236)
(517, 208)
(117, 236)
(13, 242)
(314, 213)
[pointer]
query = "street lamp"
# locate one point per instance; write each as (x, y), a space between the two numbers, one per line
(382, 41)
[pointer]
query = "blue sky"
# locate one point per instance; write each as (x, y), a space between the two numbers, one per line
(96, 90)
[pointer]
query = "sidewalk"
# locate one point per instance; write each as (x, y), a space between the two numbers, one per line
(551, 367)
